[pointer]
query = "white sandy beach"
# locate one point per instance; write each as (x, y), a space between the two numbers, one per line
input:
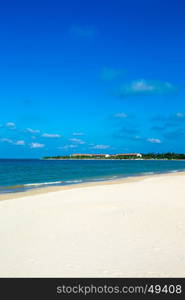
(131, 228)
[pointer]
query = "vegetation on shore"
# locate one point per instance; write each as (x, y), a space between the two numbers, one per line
(168, 155)
(165, 156)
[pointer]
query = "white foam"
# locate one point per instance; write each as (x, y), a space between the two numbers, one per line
(73, 181)
(43, 183)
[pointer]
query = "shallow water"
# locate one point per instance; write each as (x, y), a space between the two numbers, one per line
(17, 175)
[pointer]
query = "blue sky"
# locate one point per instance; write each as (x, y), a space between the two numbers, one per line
(92, 77)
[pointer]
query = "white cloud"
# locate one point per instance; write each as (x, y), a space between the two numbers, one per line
(120, 115)
(142, 86)
(20, 143)
(32, 130)
(78, 133)
(154, 141)
(145, 87)
(6, 140)
(77, 141)
(180, 115)
(36, 145)
(11, 125)
(49, 135)
(100, 147)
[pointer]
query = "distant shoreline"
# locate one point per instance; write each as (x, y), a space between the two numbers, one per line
(112, 159)
(119, 156)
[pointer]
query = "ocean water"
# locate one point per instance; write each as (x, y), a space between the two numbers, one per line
(18, 175)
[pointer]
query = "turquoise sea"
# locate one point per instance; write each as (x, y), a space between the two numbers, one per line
(22, 174)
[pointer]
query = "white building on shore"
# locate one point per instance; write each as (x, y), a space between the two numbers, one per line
(138, 155)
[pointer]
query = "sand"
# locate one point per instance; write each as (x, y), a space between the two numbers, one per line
(129, 228)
